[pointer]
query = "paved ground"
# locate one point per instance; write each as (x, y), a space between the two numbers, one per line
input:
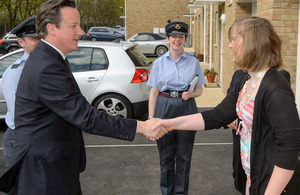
(116, 167)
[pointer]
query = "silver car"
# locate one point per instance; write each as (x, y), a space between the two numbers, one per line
(150, 43)
(111, 76)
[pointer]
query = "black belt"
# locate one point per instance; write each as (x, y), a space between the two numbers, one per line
(171, 94)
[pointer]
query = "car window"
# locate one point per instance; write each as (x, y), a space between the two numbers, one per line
(97, 30)
(6, 62)
(150, 38)
(86, 59)
(110, 31)
(12, 37)
(142, 38)
(99, 60)
(137, 57)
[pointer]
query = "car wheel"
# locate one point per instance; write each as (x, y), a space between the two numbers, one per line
(114, 105)
(94, 39)
(11, 49)
(160, 50)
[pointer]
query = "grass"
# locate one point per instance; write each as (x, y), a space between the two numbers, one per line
(152, 59)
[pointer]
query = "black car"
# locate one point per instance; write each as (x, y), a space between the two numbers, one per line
(104, 34)
(9, 43)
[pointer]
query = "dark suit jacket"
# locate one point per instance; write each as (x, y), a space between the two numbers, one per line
(50, 114)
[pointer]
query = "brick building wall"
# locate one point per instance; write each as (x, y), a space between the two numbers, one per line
(144, 15)
(284, 16)
(233, 12)
(198, 31)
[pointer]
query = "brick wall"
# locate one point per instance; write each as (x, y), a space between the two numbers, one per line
(144, 15)
(233, 12)
(283, 15)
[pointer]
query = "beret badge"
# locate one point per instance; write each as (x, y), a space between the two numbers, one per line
(177, 26)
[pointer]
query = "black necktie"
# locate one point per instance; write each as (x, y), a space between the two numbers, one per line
(68, 65)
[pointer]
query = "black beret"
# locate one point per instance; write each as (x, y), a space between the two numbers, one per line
(176, 28)
(25, 28)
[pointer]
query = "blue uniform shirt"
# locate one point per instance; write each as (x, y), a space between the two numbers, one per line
(9, 83)
(166, 74)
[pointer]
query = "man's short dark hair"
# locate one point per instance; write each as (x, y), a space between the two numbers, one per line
(50, 12)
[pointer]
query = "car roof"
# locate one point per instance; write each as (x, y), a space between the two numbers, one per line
(9, 34)
(101, 27)
(124, 45)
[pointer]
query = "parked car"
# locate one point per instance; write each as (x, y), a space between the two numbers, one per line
(9, 43)
(111, 76)
(104, 34)
(120, 29)
(150, 43)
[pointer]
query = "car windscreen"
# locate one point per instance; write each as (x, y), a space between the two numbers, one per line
(137, 57)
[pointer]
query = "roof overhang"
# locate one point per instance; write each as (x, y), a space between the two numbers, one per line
(205, 2)
(192, 5)
(188, 15)
(245, 1)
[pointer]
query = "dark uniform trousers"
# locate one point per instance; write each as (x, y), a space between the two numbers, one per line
(176, 147)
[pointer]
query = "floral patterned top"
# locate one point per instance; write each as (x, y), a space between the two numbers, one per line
(245, 131)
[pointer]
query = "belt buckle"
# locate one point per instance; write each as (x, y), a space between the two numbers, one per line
(174, 94)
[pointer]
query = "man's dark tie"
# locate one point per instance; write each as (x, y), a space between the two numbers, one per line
(68, 65)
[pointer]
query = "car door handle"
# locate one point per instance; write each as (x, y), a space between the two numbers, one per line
(92, 79)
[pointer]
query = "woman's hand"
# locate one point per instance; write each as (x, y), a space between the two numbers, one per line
(186, 95)
(233, 125)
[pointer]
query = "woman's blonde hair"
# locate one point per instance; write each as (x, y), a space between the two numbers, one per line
(261, 44)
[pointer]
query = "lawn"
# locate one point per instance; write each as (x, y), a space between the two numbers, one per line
(152, 59)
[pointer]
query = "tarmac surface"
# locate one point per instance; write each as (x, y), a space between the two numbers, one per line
(116, 167)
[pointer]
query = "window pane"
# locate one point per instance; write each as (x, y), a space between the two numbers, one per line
(150, 38)
(99, 61)
(141, 38)
(80, 59)
(137, 57)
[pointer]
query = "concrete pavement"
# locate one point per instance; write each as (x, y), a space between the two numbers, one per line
(212, 95)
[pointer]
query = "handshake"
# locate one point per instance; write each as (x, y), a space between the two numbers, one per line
(153, 128)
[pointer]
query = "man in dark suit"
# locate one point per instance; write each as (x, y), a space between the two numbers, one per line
(49, 151)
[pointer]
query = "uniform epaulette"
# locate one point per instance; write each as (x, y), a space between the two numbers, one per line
(192, 54)
(14, 66)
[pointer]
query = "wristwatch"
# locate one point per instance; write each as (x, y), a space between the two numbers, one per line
(149, 117)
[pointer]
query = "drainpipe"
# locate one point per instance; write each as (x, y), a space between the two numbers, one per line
(210, 37)
(190, 26)
(125, 15)
(204, 35)
(298, 69)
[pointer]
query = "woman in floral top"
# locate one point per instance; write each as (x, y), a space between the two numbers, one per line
(267, 141)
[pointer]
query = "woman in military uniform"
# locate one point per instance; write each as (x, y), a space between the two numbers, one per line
(170, 78)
